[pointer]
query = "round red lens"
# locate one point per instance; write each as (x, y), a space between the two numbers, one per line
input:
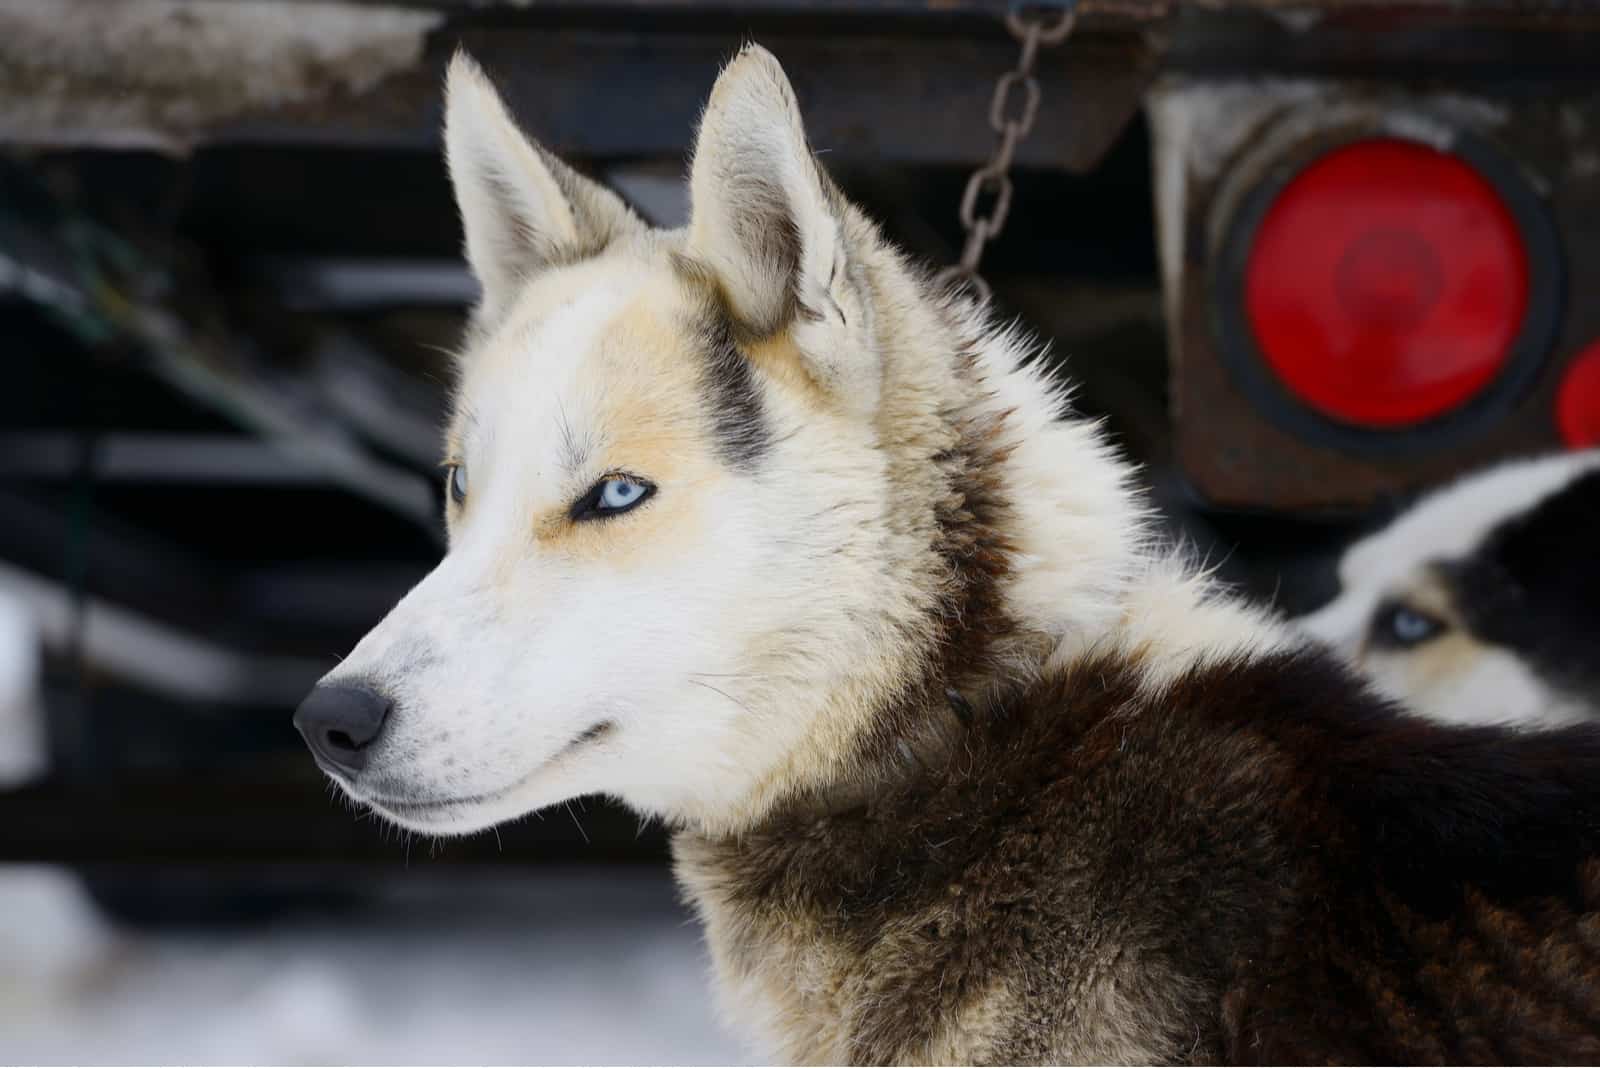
(1578, 401)
(1386, 284)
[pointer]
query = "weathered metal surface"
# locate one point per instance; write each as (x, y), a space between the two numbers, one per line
(1231, 450)
(156, 72)
(894, 80)
(601, 94)
(1475, 42)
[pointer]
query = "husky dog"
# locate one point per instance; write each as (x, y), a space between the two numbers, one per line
(754, 529)
(1481, 603)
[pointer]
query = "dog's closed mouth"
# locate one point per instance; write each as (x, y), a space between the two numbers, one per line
(416, 805)
(426, 805)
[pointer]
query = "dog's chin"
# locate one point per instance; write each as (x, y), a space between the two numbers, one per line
(446, 818)
(561, 777)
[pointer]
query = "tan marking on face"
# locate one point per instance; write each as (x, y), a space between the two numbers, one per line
(782, 361)
(1429, 593)
(652, 424)
(1441, 661)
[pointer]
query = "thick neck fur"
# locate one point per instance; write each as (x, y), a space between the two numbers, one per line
(1022, 548)
(1028, 558)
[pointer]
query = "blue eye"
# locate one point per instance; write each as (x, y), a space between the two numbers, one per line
(1401, 626)
(617, 493)
(458, 482)
(612, 496)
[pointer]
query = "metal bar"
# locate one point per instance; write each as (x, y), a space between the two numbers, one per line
(878, 97)
(160, 458)
(1481, 42)
(127, 303)
(257, 405)
(319, 606)
(326, 283)
(156, 656)
(383, 404)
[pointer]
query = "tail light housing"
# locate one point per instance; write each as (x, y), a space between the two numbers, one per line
(1386, 284)
(1370, 291)
(1381, 294)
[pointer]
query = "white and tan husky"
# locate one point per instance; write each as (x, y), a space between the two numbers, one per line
(755, 530)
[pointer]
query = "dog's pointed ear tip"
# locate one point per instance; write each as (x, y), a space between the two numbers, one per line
(753, 52)
(753, 67)
(464, 76)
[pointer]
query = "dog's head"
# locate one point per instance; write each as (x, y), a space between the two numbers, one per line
(1481, 604)
(672, 529)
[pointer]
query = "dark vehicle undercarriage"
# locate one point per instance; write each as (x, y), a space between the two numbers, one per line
(230, 304)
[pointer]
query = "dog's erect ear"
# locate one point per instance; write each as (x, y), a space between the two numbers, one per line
(521, 208)
(769, 224)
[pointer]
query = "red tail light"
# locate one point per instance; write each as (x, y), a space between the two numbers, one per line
(1578, 400)
(1386, 284)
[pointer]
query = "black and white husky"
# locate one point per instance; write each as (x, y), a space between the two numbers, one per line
(1481, 603)
(756, 530)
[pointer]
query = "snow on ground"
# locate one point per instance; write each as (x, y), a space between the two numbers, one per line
(594, 966)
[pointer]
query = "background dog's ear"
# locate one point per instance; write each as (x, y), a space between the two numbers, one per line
(770, 225)
(521, 208)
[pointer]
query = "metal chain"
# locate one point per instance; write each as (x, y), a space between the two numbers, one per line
(1011, 117)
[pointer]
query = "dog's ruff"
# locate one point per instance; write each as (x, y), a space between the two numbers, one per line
(963, 765)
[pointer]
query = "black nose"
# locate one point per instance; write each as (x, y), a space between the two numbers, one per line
(340, 723)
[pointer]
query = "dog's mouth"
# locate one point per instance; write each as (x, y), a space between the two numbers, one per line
(407, 809)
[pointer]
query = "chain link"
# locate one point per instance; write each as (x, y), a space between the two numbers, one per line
(1012, 110)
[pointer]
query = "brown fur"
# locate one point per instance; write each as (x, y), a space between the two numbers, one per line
(1259, 865)
(1259, 862)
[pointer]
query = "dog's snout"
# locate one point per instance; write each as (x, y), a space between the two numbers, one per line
(340, 723)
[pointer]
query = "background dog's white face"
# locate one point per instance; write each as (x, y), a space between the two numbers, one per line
(632, 589)
(1430, 612)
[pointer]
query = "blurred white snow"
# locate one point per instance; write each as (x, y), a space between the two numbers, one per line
(591, 966)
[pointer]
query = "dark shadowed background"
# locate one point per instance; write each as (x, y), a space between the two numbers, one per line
(229, 281)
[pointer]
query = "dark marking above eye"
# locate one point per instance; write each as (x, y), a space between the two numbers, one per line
(733, 396)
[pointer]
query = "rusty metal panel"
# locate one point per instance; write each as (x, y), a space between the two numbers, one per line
(599, 94)
(1235, 453)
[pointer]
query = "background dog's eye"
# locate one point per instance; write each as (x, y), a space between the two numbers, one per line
(1399, 625)
(611, 496)
(456, 477)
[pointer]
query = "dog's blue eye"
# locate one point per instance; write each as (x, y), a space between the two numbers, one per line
(617, 493)
(611, 496)
(1401, 625)
(458, 482)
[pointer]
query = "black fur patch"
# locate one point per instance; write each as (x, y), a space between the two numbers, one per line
(733, 395)
(1533, 586)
